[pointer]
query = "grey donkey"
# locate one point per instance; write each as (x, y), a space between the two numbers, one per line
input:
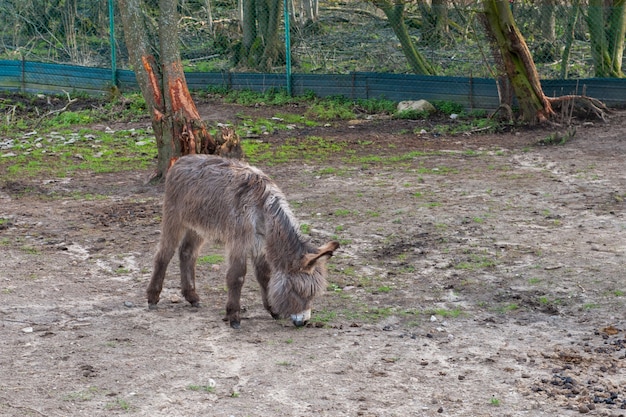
(230, 202)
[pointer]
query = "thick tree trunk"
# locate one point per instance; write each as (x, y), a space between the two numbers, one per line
(395, 16)
(187, 127)
(177, 125)
(518, 62)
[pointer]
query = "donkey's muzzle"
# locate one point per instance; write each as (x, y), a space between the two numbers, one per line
(301, 319)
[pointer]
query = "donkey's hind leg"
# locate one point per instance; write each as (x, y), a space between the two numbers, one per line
(188, 253)
(170, 237)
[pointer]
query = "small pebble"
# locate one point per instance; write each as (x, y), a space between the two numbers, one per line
(129, 304)
(583, 409)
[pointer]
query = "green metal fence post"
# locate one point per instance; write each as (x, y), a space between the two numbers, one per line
(112, 40)
(287, 48)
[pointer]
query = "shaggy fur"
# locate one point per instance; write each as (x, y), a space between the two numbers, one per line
(227, 201)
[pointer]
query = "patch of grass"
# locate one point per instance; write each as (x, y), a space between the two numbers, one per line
(67, 150)
(30, 250)
(77, 396)
(412, 115)
(311, 148)
(494, 402)
(508, 307)
(205, 388)
(475, 262)
(275, 97)
(333, 108)
(119, 404)
(447, 313)
(305, 228)
(448, 107)
(374, 106)
(384, 289)
(324, 316)
(210, 259)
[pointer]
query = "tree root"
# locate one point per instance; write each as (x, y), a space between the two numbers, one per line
(582, 105)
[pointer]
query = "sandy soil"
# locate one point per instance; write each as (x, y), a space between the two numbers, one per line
(483, 277)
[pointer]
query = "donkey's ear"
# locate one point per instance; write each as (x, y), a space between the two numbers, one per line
(324, 251)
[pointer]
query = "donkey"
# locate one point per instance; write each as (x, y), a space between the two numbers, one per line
(230, 202)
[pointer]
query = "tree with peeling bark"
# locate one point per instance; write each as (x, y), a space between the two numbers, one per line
(178, 127)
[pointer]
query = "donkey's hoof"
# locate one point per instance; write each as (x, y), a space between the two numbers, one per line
(235, 324)
(152, 306)
(196, 304)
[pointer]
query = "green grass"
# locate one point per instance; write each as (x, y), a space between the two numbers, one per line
(79, 396)
(205, 388)
(63, 152)
(447, 313)
(210, 260)
(475, 262)
(119, 404)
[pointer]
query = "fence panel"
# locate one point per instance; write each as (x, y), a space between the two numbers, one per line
(335, 47)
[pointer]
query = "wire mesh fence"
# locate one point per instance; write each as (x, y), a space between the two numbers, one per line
(325, 37)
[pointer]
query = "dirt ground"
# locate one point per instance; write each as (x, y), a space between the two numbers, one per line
(482, 277)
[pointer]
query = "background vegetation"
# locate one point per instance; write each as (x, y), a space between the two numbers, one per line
(339, 37)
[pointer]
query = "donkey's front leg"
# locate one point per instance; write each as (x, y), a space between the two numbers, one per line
(263, 274)
(188, 254)
(235, 278)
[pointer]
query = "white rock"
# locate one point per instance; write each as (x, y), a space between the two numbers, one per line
(417, 105)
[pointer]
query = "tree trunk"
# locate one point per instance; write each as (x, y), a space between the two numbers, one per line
(261, 47)
(569, 37)
(547, 50)
(518, 62)
(435, 25)
(395, 16)
(607, 29)
(177, 125)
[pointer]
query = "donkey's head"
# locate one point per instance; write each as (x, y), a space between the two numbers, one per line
(291, 292)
